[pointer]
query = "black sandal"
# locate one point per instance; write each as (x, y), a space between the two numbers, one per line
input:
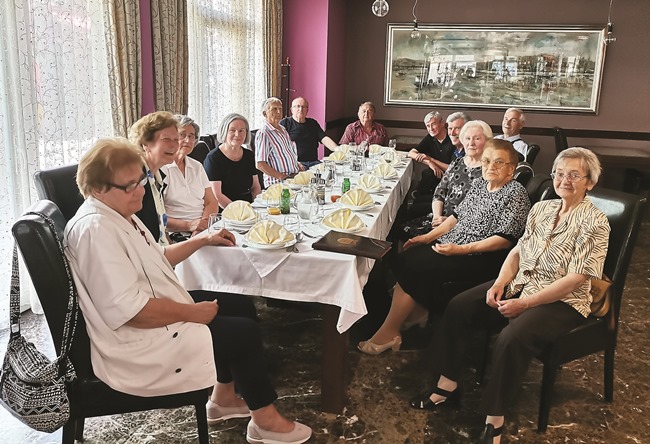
(424, 402)
(489, 433)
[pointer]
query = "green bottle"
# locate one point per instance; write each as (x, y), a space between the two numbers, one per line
(346, 186)
(285, 201)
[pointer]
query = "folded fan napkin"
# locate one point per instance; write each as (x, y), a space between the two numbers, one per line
(369, 182)
(274, 192)
(344, 148)
(344, 219)
(357, 198)
(385, 170)
(267, 232)
(239, 210)
(302, 178)
(375, 149)
(338, 155)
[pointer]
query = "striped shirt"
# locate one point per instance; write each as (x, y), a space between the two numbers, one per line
(274, 146)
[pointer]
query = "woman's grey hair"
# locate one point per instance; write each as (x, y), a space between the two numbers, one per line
(222, 131)
(485, 128)
(433, 115)
(185, 120)
(267, 103)
(589, 160)
(459, 115)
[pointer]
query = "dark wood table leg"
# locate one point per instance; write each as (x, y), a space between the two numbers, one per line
(335, 363)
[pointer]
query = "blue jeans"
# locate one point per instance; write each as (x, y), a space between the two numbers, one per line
(310, 163)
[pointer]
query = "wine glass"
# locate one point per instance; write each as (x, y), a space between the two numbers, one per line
(392, 143)
(214, 222)
(292, 224)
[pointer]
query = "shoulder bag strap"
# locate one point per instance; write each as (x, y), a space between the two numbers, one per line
(14, 296)
(72, 312)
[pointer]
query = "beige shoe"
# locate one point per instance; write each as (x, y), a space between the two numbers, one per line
(256, 435)
(371, 348)
(217, 413)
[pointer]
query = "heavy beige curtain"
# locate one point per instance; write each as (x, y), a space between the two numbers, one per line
(272, 45)
(124, 53)
(170, 61)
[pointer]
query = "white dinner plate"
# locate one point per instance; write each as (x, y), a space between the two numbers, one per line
(371, 190)
(240, 223)
(294, 186)
(363, 208)
(270, 246)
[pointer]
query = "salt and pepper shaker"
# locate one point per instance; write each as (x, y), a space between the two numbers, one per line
(320, 191)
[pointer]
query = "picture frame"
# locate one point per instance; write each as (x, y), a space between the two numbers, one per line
(540, 68)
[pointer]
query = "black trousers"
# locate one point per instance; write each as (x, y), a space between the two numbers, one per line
(521, 339)
(238, 349)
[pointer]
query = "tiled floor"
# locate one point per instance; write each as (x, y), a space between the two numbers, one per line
(380, 387)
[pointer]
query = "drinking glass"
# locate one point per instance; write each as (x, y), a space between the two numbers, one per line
(272, 202)
(316, 214)
(292, 224)
(392, 143)
(214, 222)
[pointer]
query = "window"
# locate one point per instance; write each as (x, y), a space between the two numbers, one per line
(226, 70)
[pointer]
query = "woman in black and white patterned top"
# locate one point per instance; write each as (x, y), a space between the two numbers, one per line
(472, 242)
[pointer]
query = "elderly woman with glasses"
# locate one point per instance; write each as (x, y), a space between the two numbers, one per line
(540, 294)
(147, 336)
(472, 242)
(231, 167)
(188, 197)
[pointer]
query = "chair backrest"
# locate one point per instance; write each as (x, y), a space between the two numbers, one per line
(538, 187)
(625, 213)
(44, 262)
(59, 185)
(523, 173)
(561, 142)
(200, 151)
(531, 154)
(260, 175)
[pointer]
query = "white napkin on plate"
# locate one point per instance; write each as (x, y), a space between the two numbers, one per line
(385, 170)
(369, 182)
(375, 149)
(267, 232)
(338, 155)
(345, 148)
(239, 210)
(302, 178)
(344, 219)
(357, 198)
(275, 192)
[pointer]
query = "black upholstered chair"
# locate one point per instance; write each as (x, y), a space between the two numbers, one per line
(561, 142)
(523, 173)
(89, 397)
(540, 187)
(59, 185)
(531, 154)
(625, 213)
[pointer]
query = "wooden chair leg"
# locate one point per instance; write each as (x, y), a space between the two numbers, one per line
(202, 423)
(609, 374)
(548, 380)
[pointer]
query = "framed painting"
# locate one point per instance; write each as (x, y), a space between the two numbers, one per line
(540, 68)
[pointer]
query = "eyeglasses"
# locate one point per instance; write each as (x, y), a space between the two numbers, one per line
(571, 177)
(184, 136)
(498, 164)
(129, 188)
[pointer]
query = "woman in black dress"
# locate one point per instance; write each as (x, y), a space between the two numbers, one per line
(230, 167)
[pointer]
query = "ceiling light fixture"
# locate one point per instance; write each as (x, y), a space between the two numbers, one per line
(415, 34)
(380, 8)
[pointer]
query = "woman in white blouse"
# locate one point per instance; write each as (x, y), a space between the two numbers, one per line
(147, 335)
(188, 197)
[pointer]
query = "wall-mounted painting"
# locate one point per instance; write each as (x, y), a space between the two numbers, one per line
(539, 68)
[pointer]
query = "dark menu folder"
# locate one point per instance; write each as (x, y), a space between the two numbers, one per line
(352, 244)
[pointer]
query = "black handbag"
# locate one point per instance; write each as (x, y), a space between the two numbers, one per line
(33, 388)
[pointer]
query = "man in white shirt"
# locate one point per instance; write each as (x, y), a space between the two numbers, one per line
(513, 121)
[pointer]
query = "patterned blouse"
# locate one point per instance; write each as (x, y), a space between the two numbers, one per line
(577, 245)
(454, 184)
(483, 214)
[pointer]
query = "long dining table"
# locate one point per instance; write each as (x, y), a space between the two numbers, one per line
(333, 280)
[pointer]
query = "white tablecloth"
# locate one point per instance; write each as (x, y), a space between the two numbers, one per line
(308, 276)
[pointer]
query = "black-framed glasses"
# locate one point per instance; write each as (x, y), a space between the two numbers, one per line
(184, 136)
(498, 164)
(129, 188)
(571, 177)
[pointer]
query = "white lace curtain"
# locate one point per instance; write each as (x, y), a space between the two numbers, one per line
(54, 99)
(226, 60)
